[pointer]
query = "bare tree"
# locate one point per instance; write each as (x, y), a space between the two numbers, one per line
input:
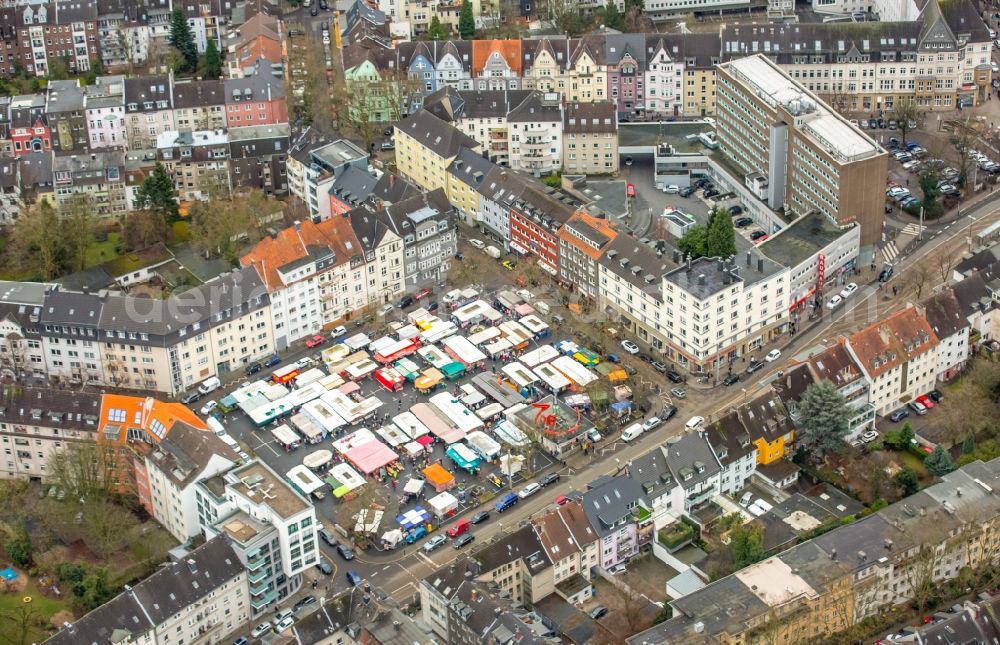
(106, 526)
(86, 470)
(128, 51)
(908, 116)
(919, 277)
(965, 133)
(17, 624)
(945, 264)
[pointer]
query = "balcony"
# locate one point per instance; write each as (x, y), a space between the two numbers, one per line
(263, 601)
(259, 589)
(258, 575)
(256, 564)
(536, 142)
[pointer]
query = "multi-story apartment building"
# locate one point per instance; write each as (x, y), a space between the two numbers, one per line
(41, 33)
(573, 548)
(426, 225)
(590, 139)
(899, 357)
(497, 193)
(465, 175)
(199, 105)
(167, 474)
(535, 217)
(314, 163)
(149, 109)
(271, 527)
(426, 146)
(105, 112)
(610, 504)
(384, 254)
(29, 129)
(827, 584)
(951, 326)
(664, 78)
(37, 423)
(836, 365)
(583, 240)
(10, 190)
(535, 134)
(98, 176)
(68, 324)
(197, 161)
(255, 100)
(481, 115)
(65, 114)
(198, 599)
(795, 152)
(257, 158)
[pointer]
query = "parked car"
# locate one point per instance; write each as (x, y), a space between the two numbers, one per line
(694, 422)
(936, 396)
(659, 367)
(899, 415)
(463, 540)
(756, 235)
(324, 566)
(345, 551)
(926, 401)
(191, 398)
(669, 412)
(479, 244)
(834, 302)
(735, 210)
(869, 436)
(917, 407)
(594, 435)
(674, 377)
(848, 290)
(745, 499)
(287, 621)
(630, 347)
(672, 189)
(315, 341)
(551, 478)
(328, 537)
(687, 191)
(773, 355)
(435, 542)
(678, 393)
(754, 366)
(529, 490)
(303, 603)
(272, 361)
(479, 517)
(253, 368)
(353, 578)
(730, 379)
(459, 528)
(651, 423)
(208, 407)
(743, 222)
(260, 630)
(598, 612)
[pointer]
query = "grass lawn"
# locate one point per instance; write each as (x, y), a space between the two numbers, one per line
(101, 252)
(180, 232)
(914, 463)
(45, 607)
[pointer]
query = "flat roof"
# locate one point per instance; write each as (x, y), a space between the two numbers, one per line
(257, 482)
(829, 130)
(801, 239)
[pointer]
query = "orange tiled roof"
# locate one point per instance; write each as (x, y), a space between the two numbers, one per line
(483, 49)
(602, 226)
(893, 341)
(270, 254)
(152, 415)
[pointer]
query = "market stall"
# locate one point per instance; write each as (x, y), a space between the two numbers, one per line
(306, 482)
(344, 480)
(393, 435)
(370, 456)
(410, 424)
(309, 430)
(414, 448)
(413, 518)
(439, 477)
(443, 505)
(429, 380)
(436, 424)
(317, 460)
(463, 457)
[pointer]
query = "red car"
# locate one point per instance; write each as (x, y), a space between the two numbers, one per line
(315, 340)
(760, 239)
(460, 527)
(562, 499)
(422, 293)
(927, 401)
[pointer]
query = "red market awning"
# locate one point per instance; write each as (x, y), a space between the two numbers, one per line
(425, 440)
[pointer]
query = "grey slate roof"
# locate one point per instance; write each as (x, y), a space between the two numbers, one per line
(611, 501)
(353, 185)
(147, 89)
(173, 587)
(470, 168)
(691, 460)
(64, 96)
(944, 314)
(67, 308)
(536, 108)
(192, 94)
(434, 134)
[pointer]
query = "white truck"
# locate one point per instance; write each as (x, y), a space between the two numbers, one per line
(493, 252)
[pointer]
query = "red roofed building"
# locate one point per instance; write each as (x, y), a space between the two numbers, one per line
(899, 358)
(582, 241)
(496, 64)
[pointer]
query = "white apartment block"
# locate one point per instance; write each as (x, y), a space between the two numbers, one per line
(198, 600)
(664, 77)
(898, 355)
(535, 135)
(951, 326)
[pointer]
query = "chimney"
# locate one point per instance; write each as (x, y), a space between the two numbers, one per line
(392, 180)
(298, 225)
(689, 262)
(748, 258)
(701, 279)
(760, 265)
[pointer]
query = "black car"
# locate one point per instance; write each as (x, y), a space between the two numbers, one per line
(735, 210)
(190, 398)
(345, 551)
(305, 602)
(687, 191)
(462, 540)
(754, 366)
(659, 367)
(732, 378)
(322, 5)
(433, 306)
(271, 362)
(387, 132)
(756, 235)
(479, 517)
(669, 412)
(743, 222)
(936, 396)
(551, 478)
(674, 377)
(710, 192)
(314, 11)
(645, 357)
(598, 612)
(253, 368)
(899, 415)
(885, 274)
(405, 302)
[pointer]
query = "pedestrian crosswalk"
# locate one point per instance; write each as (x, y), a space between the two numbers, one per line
(913, 229)
(889, 251)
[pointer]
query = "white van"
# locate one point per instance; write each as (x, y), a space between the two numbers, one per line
(542, 307)
(693, 423)
(210, 384)
(631, 432)
(215, 426)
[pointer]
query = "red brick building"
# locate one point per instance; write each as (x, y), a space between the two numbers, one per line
(535, 220)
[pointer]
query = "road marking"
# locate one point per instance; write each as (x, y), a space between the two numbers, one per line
(386, 567)
(426, 559)
(889, 252)
(398, 589)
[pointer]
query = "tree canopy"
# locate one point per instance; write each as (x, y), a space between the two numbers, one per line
(823, 416)
(466, 21)
(939, 462)
(746, 541)
(717, 239)
(182, 40)
(157, 193)
(213, 61)
(436, 31)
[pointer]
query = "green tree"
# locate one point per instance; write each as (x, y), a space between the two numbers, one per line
(95, 70)
(19, 548)
(969, 444)
(906, 435)
(939, 462)
(213, 61)
(466, 21)
(984, 451)
(746, 542)
(928, 181)
(721, 238)
(157, 193)
(182, 40)
(823, 416)
(436, 31)
(613, 19)
(76, 229)
(907, 480)
(694, 242)
(58, 68)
